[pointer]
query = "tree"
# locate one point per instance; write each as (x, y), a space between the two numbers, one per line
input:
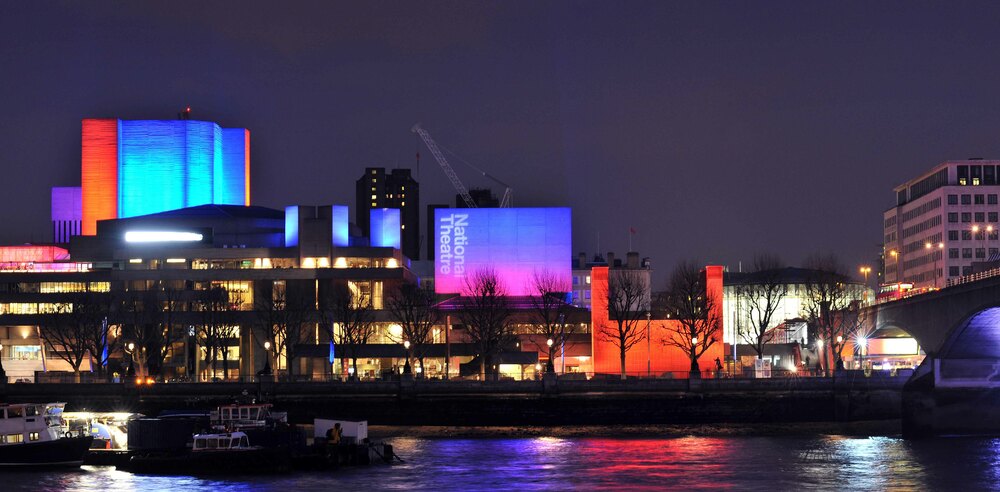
(281, 318)
(627, 292)
(486, 314)
(413, 307)
(550, 311)
(356, 319)
(147, 319)
(64, 337)
(698, 313)
(832, 306)
(79, 330)
(761, 294)
(215, 330)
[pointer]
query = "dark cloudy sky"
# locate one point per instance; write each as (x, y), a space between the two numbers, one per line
(715, 129)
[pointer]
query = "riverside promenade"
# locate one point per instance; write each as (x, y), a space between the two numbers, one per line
(849, 396)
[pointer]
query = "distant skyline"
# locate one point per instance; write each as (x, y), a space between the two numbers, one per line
(715, 130)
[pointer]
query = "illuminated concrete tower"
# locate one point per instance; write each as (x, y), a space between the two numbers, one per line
(139, 167)
(377, 189)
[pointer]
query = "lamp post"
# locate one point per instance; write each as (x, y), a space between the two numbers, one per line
(267, 359)
(899, 264)
(649, 366)
(550, 366)
(865, 270)
(3, 374)
(129, 348)
(934, 256)
(406, 367)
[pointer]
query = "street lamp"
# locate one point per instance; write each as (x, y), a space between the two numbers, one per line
(899, 264)
(934, 255)
(3, 374)
(267, 359)
(130, 348)
(865, 270)
(406, 367)
(550, 366)
(649, 365)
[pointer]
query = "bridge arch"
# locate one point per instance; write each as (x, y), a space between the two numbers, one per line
(977, 336)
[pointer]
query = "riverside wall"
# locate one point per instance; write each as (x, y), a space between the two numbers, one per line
(848, 397)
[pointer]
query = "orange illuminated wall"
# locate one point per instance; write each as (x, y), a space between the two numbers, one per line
(246, 169)
(661, 358)
(99, 172)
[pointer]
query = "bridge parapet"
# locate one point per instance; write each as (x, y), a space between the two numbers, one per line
(967, 373)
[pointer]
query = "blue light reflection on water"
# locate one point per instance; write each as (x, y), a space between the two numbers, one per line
(774, 463)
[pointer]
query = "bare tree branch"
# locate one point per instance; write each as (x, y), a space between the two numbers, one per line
(698, 313)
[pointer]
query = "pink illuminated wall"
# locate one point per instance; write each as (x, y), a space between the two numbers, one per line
(516, 242)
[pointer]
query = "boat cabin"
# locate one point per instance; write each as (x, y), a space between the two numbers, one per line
(241, 416)
(220, 442)
(30, 422)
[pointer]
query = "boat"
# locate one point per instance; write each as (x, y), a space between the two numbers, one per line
(215, 453)
(32, 434)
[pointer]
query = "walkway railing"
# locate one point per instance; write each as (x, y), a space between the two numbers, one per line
(973, 278)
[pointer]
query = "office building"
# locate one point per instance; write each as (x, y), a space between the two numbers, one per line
(397, 189)
(944, 220)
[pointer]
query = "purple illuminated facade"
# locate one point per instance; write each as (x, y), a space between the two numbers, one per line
(515, 242)
(67, 213)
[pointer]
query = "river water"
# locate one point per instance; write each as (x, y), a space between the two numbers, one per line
(539, 463)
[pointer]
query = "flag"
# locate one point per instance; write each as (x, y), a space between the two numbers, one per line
(104, 342)
(632, 230)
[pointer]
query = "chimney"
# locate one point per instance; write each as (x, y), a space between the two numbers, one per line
(632, 260)
(582, 258)
(611, 259)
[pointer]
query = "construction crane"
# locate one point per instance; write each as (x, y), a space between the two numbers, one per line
(508, 195)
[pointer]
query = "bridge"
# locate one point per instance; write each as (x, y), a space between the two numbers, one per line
(957, 388)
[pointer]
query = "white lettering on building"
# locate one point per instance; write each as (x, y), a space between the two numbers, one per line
(452, 242)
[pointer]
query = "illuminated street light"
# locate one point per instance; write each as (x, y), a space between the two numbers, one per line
(550, 365)
(694, 341)
(267, 359)
(406, 367)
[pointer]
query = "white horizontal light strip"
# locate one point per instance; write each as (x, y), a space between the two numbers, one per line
(161, 236)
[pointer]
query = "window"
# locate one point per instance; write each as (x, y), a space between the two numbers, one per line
(953, 253)
(586, 295)
(963, 175)
(966, 216)
(33, 436)
(953, 271)
(980, 199)
(966, 235)
(967, 270)
(966, 252)
(13, 438)
(980, 252)
(993, 252)
(953, 235)
(993, 216)
(576, 280)
(991, 199)
(952, 199)
(966, 199)
(953, 217)
(994, 235)
(980, 216)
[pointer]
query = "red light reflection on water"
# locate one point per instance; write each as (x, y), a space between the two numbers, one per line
(689, 462)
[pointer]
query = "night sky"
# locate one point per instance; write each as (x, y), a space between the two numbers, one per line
(715, 130)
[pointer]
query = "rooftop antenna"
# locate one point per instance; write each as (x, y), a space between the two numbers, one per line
(185, 115)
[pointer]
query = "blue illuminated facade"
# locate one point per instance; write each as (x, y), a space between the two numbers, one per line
(341, 226)
(385, 227)
(291, 226)
(172, 164)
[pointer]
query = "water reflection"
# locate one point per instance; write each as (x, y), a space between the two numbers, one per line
(822, 462)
